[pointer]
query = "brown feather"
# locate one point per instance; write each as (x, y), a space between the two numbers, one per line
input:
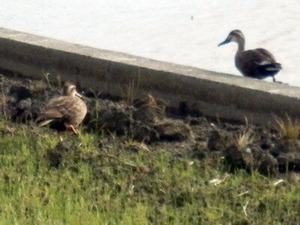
(67, 110)
(48, 116)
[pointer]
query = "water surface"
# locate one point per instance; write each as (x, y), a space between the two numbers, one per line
(183, 31)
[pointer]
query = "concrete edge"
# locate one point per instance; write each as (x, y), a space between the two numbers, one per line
(214, 94)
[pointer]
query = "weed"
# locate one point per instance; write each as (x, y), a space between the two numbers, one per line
(3, 102)
(245, 137)
(58, 83)
(46, 76)
(132, 90)
(288, 128)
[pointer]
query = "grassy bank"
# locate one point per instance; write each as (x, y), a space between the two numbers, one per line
(79, 181)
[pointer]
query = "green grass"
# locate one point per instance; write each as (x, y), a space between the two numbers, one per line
(112, 185)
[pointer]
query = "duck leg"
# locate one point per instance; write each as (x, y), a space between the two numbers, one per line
(72, 128)
(274, 80)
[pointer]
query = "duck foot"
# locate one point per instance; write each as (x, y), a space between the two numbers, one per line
(72, 128)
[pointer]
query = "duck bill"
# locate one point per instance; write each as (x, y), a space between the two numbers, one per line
(223, 43)
(78, 95)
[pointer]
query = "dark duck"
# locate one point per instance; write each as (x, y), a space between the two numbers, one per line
(257, 63)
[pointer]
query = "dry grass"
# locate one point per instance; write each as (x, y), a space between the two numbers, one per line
(288, 128)
(3, 101)
(132, 90)
(152, 103)
(245, 137)
(50, 82)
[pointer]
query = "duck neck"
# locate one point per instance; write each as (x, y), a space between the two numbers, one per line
(241, 45)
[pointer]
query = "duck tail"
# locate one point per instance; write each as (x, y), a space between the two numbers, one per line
(272, 67)
(275, 66)
(42, 122)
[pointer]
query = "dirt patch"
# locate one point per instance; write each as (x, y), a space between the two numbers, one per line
(182, 130)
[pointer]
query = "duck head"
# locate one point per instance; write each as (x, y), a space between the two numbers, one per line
(234, 36)
(69, 89)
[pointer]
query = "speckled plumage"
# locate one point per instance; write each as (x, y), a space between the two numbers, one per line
(64, 112)
(257, 63)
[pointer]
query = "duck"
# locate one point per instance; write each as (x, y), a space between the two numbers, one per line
(256, 63)
(64, 112)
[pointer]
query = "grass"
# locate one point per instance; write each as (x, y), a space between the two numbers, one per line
(112, 185)
(288, 128)
(132, 90)
(245, 137)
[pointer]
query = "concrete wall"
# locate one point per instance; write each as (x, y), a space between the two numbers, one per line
(214, 94)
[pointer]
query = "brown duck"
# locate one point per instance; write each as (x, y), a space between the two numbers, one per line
(257, 63)
(65, 112)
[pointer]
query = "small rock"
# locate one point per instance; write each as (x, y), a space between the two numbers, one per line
(266, 144)
(287, 153)
(24, 104)
(173, 130)
(238, 158)
(267, 164)
(147, 115)
(199, 150)
(289, 161)
(143, 132)
(218, 141)
(116, 118)
(20, 92)
(149, 110)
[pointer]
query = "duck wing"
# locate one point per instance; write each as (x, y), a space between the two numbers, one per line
(258, 56)
(55, 109)
(259, 63)
(265, 55)
(268, 62)
(48, 116)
